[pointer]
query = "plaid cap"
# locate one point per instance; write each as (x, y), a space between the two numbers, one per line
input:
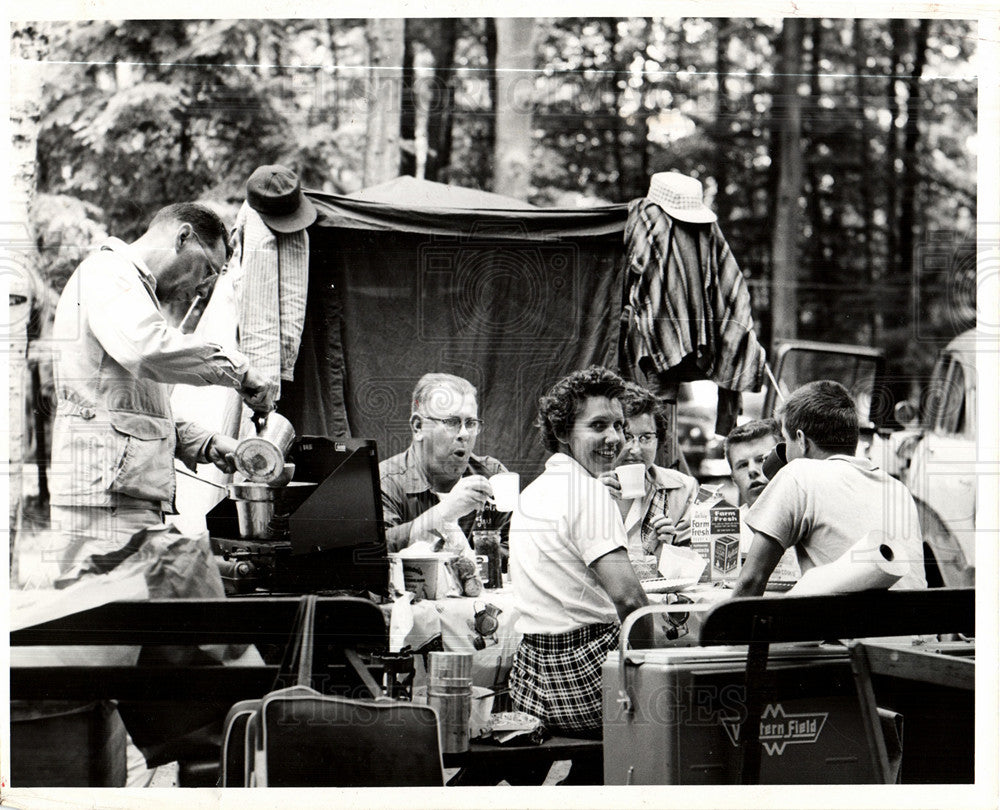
(680, 196)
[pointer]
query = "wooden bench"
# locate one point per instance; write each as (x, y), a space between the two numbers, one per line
(344, 625)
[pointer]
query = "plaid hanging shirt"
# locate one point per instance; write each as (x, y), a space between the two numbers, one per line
(685, 298)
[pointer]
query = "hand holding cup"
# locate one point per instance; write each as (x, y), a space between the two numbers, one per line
(610, 480)
(469, 494)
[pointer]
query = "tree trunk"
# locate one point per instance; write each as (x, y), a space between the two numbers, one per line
(786, 228)
(334, 95)
(617, 78)
(385, 59)
(408, 106)
(908, 191)
(268, 51)
(864, 187)
(722, 130)
(25, 288)
(897, 30)
(641, 128)
(490, 45)
(515, 82)
(442, 100)
(909, 299)
(813, 207)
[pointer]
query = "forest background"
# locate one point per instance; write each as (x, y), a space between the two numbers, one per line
(839, 154)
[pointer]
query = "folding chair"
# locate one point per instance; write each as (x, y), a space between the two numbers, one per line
(327, 741)
(234, 758)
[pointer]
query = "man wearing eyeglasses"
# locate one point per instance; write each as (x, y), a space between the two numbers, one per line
(116, 359)
(437, 483)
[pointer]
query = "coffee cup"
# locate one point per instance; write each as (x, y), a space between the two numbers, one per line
(632, 477)
(506, 488)
(775, 460)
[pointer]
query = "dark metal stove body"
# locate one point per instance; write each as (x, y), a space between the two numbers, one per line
(325, 535)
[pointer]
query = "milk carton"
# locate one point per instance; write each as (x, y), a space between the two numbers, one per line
(715, 534)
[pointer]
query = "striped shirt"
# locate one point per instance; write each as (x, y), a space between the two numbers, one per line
(686, 298)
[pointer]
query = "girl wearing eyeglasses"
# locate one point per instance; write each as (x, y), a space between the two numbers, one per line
(663, 513)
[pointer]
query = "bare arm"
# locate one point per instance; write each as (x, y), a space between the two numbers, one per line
(617, 577)
(761, 561)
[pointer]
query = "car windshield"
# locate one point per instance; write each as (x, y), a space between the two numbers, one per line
(854, 372)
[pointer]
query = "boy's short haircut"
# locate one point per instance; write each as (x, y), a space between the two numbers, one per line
(751, 431)
(825, 412)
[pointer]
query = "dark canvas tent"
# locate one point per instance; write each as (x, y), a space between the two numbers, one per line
(413, 276)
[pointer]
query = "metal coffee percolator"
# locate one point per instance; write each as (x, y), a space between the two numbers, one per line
(261, 458)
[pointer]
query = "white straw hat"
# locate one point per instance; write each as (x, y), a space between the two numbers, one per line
(680, 196)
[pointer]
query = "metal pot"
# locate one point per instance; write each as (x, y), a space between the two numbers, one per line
(261, 458)
(255, 507)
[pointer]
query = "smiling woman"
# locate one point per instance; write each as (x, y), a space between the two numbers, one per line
(597, 434)
(572, 579)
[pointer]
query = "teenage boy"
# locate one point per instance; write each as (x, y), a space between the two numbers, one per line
(826, 499)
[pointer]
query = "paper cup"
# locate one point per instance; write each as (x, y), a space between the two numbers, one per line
(632, 477)
(775, 460)
(506, 488)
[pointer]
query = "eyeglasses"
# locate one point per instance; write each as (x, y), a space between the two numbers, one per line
(205, 286)
(453, 424)
(213, 271)
(644, 439)
(676, 625)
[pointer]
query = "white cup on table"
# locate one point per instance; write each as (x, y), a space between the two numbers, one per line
(632, 477)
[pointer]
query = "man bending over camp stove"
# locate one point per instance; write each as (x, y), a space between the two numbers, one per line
(114, 436)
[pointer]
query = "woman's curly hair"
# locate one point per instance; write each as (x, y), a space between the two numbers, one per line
(559, 406)
(638, 400)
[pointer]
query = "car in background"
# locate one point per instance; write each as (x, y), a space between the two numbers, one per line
(795, 363)
(935, 456)
(703, 450)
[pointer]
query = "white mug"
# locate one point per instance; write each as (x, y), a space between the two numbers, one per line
(632, 477)
(506, 489)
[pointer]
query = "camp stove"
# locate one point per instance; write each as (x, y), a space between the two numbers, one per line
(321, 532)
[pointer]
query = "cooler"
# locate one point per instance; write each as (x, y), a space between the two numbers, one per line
(687, 707)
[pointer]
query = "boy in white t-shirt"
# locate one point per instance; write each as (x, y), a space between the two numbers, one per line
(826, 499)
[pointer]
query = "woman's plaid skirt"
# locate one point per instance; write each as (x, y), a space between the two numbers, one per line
(557, 677)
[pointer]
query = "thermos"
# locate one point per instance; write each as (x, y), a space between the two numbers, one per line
(449, 693)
